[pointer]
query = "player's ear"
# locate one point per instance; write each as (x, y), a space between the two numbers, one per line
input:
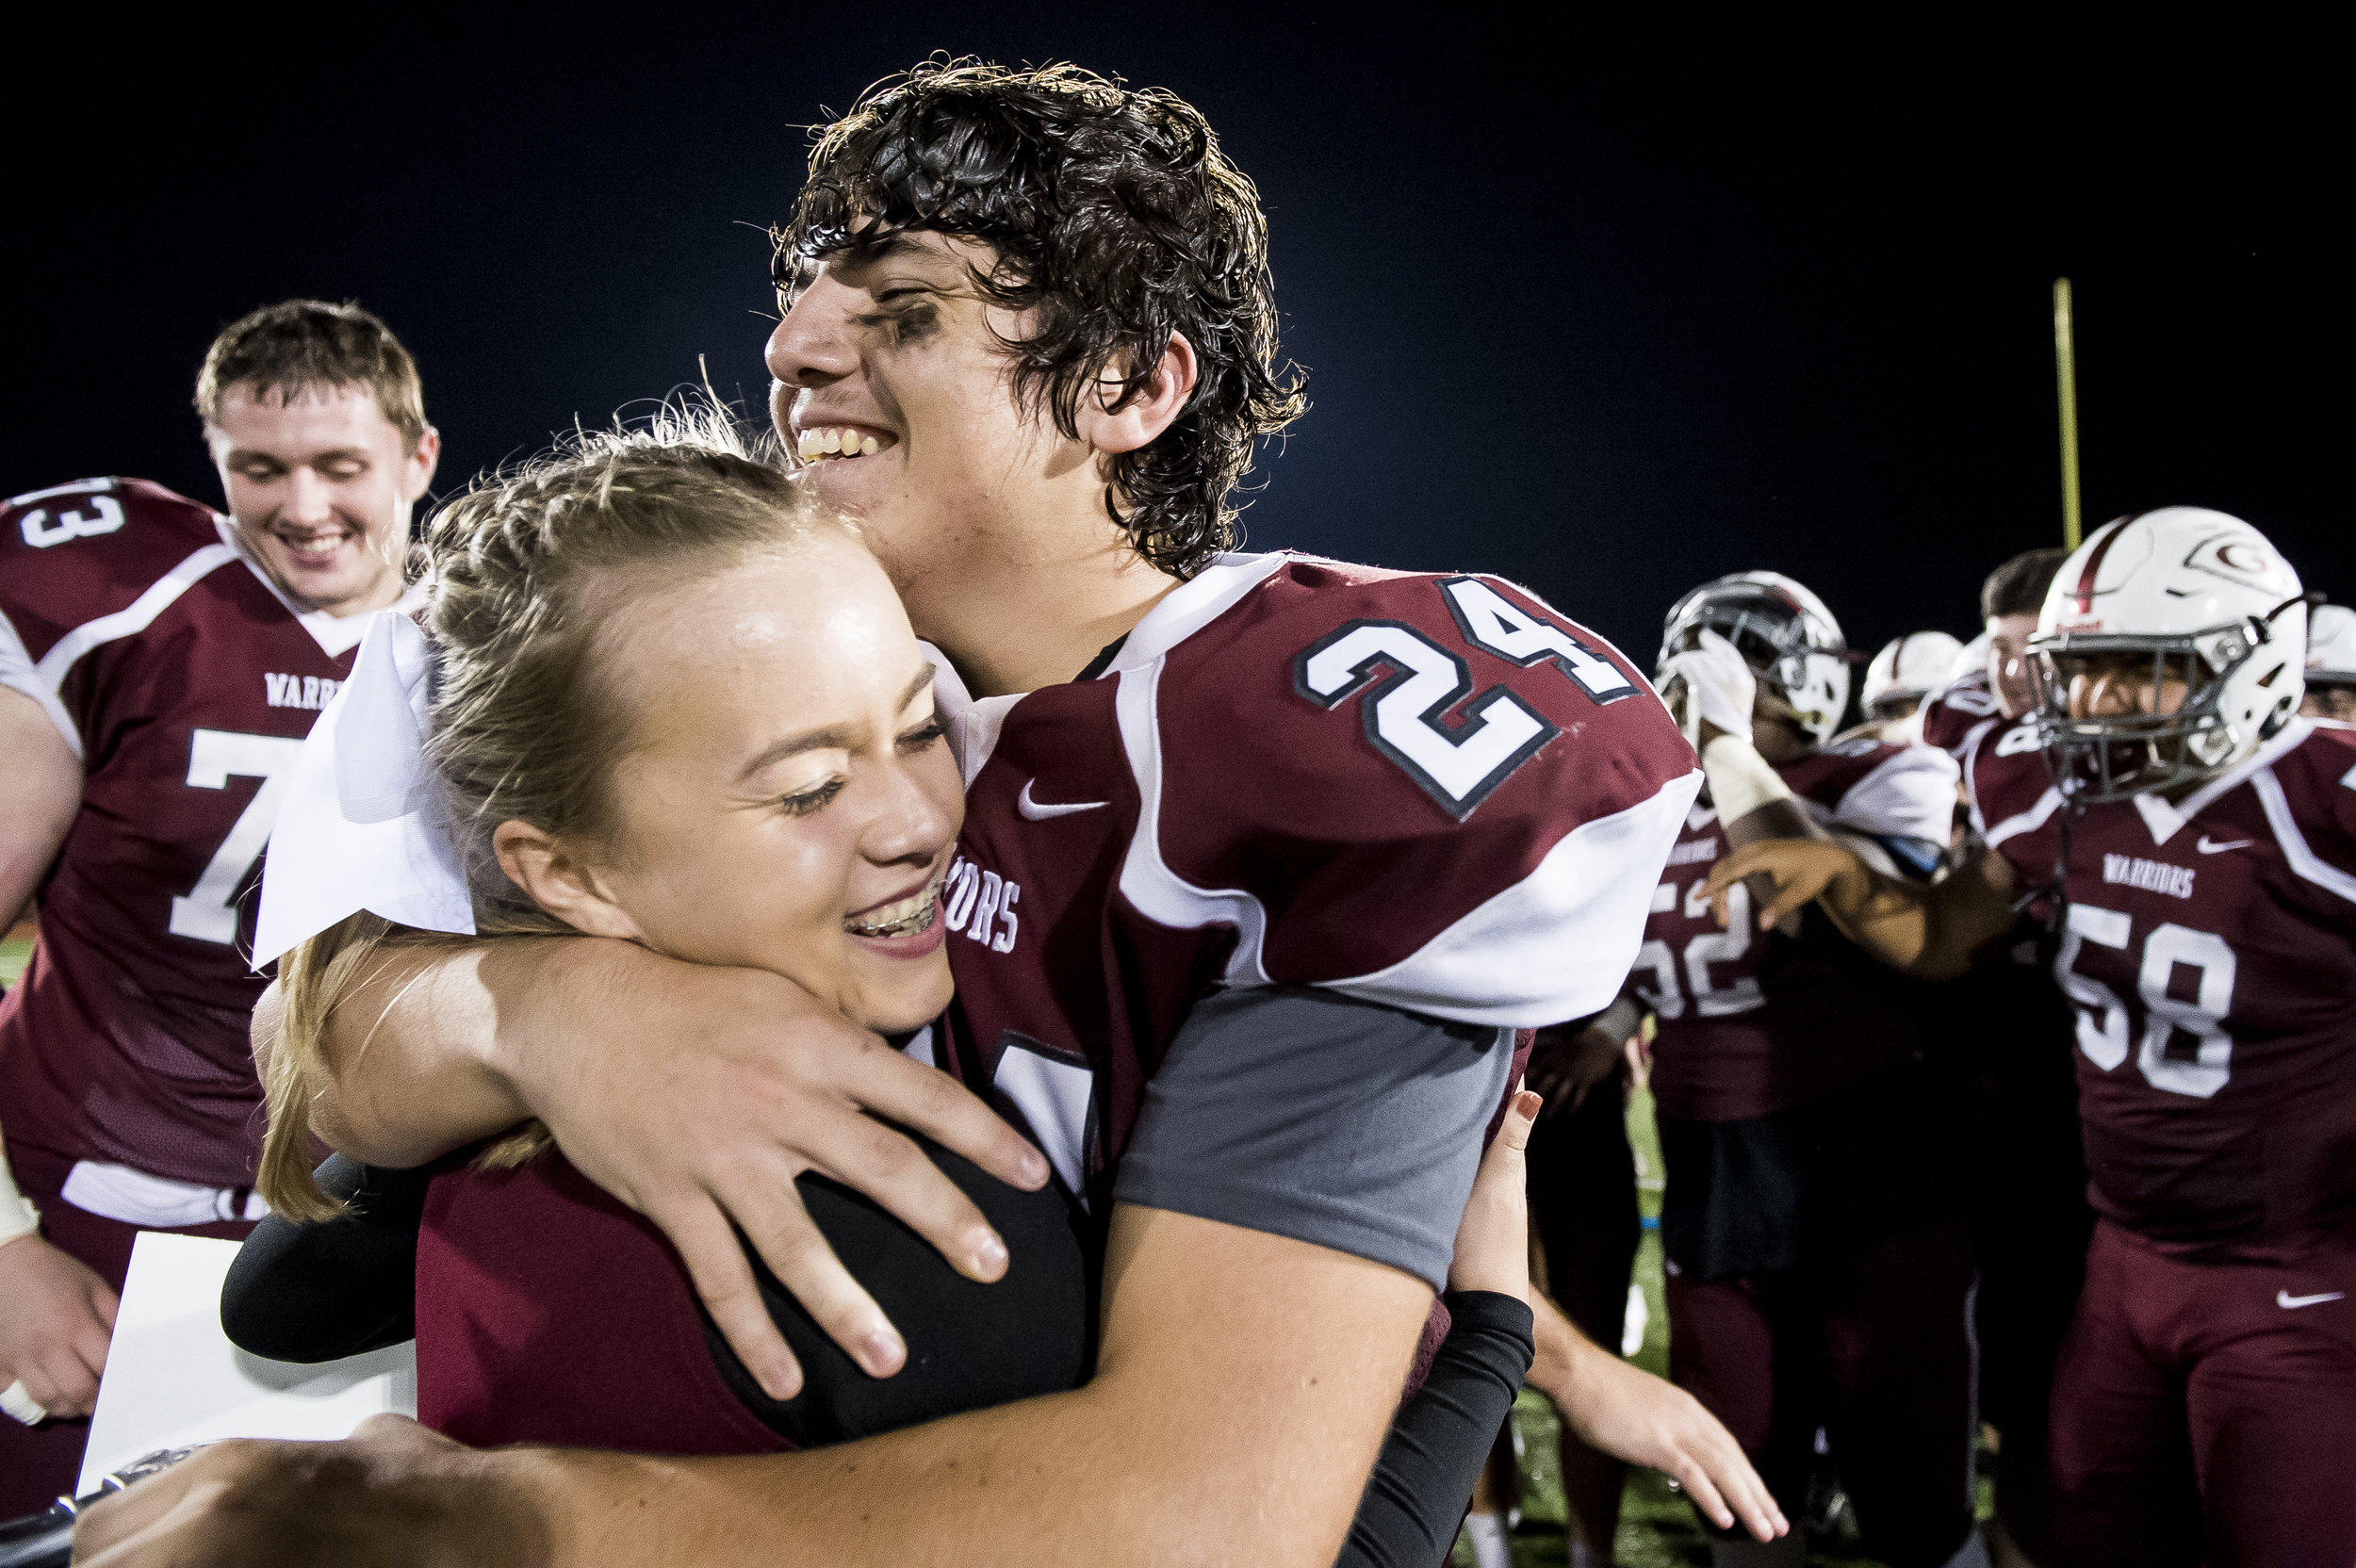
(416, 473)
(1145, 416)
(559, 880)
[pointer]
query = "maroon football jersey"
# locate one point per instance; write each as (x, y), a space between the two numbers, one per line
(1750, 1022)
(1427, 792)
(186, 683)
(2210, 951)
(1956, 712)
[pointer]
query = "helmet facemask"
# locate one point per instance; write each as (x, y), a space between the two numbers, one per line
(1802, 669)
(2127, 714)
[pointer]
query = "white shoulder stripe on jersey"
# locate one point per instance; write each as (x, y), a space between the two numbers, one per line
(130, 620)
(1146, 880)
(2027, 822)
(1187, 610)
(2294, 851)
(2285, 741)
(1556, 945)
(18, 675)
(135, 617)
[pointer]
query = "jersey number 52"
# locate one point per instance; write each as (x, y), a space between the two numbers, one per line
(1412, 686)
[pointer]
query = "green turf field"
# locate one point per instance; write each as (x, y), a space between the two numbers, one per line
(15, 948)
(1657, 1525)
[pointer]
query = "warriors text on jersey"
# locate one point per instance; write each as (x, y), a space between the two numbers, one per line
(1751, 1021)
(1430, 794)
(2209, 948)
(185, 682)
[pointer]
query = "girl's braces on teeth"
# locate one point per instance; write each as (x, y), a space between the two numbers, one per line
(928, 906)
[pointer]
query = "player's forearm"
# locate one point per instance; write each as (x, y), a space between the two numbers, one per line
(1075, 1479)
(1889, 918)
(1554, 1371)
(420, 1052)
(1930, 929)
(42, 781)
(1241, 1394)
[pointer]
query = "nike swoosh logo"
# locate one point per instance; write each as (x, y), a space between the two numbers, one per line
(1033, 811)
(2207, 846)
(2284, 1298)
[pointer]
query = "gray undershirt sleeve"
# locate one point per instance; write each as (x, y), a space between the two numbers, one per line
(1303, 1113)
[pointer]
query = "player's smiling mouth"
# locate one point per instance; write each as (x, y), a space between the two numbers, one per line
(314, 545)
(820, 443)
(903, 917)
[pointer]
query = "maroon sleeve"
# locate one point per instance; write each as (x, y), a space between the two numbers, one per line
(1443, 794)
(2013, 803)
(1950, 715)
(2313, 811)
(70, 558)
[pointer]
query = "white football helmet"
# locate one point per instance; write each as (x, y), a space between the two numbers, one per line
(1785, 635)
(1971, 658)
(1907, 670)
(2191, 628)
(2331, 645)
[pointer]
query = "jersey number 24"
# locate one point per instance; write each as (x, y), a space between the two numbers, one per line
(1412, 684)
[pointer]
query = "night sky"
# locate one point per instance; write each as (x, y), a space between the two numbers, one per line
(1608, 309)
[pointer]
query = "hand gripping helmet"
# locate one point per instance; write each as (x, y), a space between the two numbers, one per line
(1785, 634)
(1906, 670)
(2169, 649)
(2331, 645)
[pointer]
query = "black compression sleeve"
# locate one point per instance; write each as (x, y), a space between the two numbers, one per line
(1442, 1437)
(313, 1293)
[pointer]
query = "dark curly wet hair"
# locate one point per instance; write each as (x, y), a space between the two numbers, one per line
(1117, 220)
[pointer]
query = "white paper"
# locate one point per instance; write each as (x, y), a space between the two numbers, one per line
(174, 1379)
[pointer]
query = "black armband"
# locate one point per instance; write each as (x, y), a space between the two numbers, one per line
(1442, 1437)
(313, 1293)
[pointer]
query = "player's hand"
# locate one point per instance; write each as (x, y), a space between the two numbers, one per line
(1638, 1058)
(1628, 1413)
(1566, 1065)
(697, 1096)
(1720, 688)
(56, 1319)
(1801, 870)
(393, 1493)
(1493, 1238)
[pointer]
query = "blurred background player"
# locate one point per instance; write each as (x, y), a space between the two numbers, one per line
(2330, 664)
(2008, 1026)
(1907, 670)
(2192, 842)
(1819, 1273)
(1998, 684)
(159, 666)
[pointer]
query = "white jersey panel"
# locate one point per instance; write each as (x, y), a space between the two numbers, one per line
(1555, 946)
(1912, 796)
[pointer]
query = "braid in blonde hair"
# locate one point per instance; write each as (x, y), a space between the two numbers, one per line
(523, 572)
